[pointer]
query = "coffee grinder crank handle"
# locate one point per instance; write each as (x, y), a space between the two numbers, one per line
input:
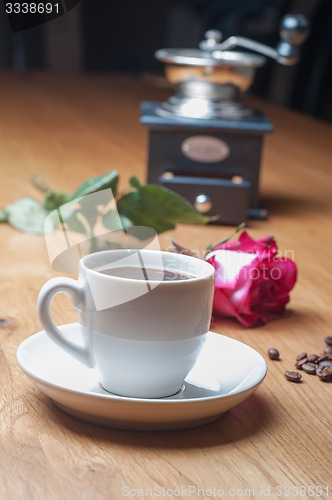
(294, 30)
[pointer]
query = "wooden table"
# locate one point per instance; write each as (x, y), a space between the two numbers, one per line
(67, 129)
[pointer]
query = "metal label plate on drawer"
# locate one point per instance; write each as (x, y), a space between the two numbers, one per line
(205, 149)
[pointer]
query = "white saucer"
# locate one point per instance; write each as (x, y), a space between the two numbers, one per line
(226, 373)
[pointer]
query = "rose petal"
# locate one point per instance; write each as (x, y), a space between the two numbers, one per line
(228, 265)
(262, 246)
(223, 307)
(270, 290)
(233, 281)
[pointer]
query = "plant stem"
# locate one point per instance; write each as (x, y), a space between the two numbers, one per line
(238, 229)
(39, 183)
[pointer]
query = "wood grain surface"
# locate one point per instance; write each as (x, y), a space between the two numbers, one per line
(67, 129)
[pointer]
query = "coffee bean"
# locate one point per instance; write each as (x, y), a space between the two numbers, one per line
(328, 340)
(327, 363)
(324, 373)
(301, 356)
(293, 376)
(300, 363)
(312, 358)
(309, 368)
(321, 358)
(328, 350)
(273, 353)
(5, 322)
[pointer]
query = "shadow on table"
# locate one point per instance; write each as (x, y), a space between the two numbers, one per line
(283, 204)
(232, 328)
(245, 420)
(291, 317)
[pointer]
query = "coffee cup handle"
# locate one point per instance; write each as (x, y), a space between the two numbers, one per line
(76, 292)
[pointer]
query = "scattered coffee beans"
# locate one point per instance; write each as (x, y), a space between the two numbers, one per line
(313, 358)
(273, 353)
(300, 363)
(293, 376)
(309, 368)
(317, 364)
(324, 373)
(321, 358)
(327, 363)
(314, 364)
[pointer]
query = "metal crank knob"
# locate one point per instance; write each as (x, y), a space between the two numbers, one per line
(212, 38)
(203, 203)
(294, 30)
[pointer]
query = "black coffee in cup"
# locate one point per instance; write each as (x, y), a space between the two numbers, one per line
(138, 273)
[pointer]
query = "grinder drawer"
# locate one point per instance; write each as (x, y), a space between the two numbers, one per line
(213, 196)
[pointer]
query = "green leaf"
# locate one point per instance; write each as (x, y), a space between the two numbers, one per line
(3, 216)
(74, 222)
(54, 199)
(158, 207)
(115, 222)
(95, 184)
(27, 214)
(113, 245)
(134, 182)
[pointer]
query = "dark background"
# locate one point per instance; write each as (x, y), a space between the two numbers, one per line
(114, 36)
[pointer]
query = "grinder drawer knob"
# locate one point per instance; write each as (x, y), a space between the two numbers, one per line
(203, 203)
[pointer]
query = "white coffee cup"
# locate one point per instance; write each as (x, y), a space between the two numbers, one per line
(143, 337)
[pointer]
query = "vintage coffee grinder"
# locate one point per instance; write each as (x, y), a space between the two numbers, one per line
(204, 143)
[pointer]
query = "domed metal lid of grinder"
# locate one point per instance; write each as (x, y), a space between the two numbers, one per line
(196, 57)
(294, 29)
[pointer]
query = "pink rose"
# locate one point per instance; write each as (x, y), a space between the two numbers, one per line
(251, 279)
